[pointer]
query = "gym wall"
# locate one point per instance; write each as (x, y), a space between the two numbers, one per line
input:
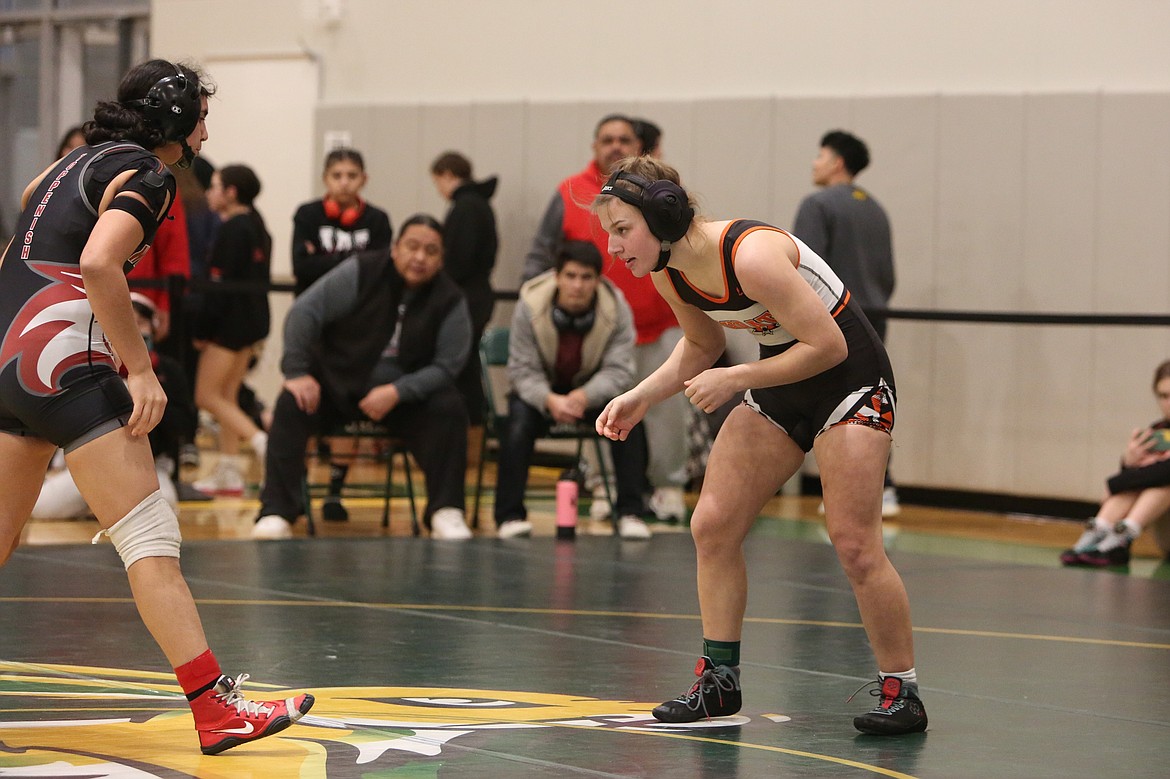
(1018, 147)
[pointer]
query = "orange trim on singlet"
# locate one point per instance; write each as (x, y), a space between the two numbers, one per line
(723, 266)
(750, 230)
(841, 306)
(722, 269)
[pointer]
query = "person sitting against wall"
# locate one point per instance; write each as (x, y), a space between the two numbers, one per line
(380, 337)
(1137, 496)
(570, 351)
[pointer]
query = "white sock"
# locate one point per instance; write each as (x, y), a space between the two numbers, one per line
(1102, 524)
(905, 676)
(1116, 539)
(1132, 529)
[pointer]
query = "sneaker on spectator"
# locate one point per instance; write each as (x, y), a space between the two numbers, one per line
(1089, 539)
(225, 480)
(631, 526)
(890, 505)
(899, 709)
(448, 524)
(717, 693)
(224, 718)
(514, 528)
(668, 504)
(599, 507)
(189, 456)
(272, 527)
(1112, 549)
(332, 510)
(188, 492)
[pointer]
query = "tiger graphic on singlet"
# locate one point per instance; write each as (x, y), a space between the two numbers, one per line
(859, 390)
(58, 377)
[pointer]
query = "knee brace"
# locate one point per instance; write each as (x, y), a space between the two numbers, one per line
(151, 529)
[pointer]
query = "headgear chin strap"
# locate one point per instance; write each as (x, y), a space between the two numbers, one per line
(188, 155)
(663, 204)
(663, 257)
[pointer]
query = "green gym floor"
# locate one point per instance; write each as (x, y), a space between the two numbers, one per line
(539, 658)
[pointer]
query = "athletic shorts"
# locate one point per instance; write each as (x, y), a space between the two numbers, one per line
(858, 391)
(803, 421)
(92, 402)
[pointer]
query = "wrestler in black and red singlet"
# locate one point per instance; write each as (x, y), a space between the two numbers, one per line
(58, 379)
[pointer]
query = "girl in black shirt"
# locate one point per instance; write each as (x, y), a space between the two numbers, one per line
(233, 322)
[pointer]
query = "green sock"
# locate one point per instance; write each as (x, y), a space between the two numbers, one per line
(722, 652)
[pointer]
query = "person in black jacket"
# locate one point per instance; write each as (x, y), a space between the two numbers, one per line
(470, 241)
(328, 230)
(382, 336)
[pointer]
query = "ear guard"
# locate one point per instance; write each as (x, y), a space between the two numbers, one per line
(172, 105)
(663, 204)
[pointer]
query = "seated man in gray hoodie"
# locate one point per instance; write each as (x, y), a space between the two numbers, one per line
(570, 351)
(382, 336)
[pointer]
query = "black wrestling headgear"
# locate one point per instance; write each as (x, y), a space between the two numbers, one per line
(172, 105)
(663, 204)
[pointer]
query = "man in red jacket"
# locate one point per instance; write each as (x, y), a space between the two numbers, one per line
(568, 218)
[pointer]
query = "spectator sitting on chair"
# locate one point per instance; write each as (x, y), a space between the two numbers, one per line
(571, 350)
(382, 336)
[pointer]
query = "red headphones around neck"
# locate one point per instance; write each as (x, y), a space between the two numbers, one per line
(348, 216)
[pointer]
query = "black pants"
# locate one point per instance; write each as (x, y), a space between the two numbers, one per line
(470, 380)
(524, 425)
(1137, 479)
(434, 430)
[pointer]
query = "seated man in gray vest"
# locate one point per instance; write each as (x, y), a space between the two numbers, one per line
(570, 351)
(382, 336)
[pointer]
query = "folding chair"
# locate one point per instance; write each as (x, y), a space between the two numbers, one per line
(358, 432)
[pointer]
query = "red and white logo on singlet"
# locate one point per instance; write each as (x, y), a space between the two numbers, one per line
(40, 337)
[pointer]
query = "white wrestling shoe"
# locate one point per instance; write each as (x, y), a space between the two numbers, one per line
(448, 524)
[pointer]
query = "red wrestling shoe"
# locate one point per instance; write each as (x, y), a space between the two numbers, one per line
(225, 719)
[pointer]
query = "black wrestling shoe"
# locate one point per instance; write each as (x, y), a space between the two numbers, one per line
(715, 694)
(333, 511)
(899, 710)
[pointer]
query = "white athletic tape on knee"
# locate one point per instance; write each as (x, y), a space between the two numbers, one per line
(151, 529)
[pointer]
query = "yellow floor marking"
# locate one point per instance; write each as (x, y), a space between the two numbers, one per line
(599, 613)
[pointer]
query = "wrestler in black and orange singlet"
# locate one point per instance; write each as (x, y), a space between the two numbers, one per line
(58, 379)
(859, 390)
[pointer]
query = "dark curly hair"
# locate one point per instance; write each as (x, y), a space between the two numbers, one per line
(114, 121)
